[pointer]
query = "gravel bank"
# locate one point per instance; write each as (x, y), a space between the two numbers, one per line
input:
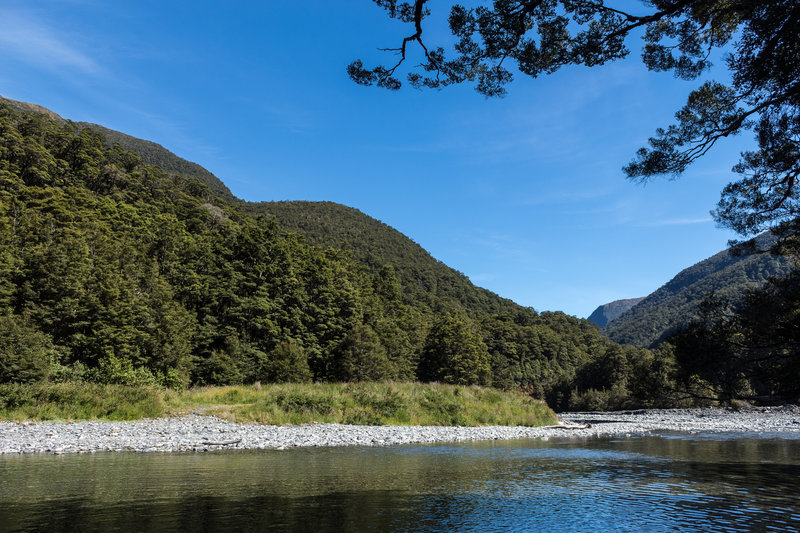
(203, 433)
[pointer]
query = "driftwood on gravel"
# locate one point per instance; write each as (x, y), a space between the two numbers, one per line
(222, 443)
(585, 426)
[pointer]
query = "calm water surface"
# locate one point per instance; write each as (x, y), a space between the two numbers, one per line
(670, 483)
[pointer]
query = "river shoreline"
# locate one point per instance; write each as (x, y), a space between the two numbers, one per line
(197, 432)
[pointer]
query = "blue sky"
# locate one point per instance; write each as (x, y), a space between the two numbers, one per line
(524, 195)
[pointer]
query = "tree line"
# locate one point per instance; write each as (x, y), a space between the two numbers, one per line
(115, 271)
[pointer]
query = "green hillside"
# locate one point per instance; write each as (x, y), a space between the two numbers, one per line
(375, 245)
(370, 242)
(150, 152)
(114, 270)
(675, 304)
(155, 154)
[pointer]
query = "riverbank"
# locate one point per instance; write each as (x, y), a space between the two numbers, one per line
(785, 419)
(368, 404)
(205, 433)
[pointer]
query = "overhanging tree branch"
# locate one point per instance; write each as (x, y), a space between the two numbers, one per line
(541, 36)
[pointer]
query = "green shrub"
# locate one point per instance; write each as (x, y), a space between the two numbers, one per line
(305, 403)
(287, 363)
(25, 352)
(385, 403)
(444, 407)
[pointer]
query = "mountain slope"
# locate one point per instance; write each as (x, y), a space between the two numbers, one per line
(150, 152)
(373, 244)
(608, 312)
(376, 245)
(113, 270)
(675, 304)
(155, 154)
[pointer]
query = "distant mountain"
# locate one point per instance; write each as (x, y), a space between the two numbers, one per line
(33, 108)
(150, 152)
(675, 304)
(608, 312)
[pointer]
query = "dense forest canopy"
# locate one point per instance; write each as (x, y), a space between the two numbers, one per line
(116, 271)
(150, 152)
(113, 270)
(374, 245)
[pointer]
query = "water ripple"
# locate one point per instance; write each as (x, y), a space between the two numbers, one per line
(638, 484)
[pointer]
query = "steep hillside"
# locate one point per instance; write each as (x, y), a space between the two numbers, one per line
(155, 154)
(675, 304)
(113, 270)
(370, 242)
(608, 312)
(376, 245)
(33, 108)
(150, 152)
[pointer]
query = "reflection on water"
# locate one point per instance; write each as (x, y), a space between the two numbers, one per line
(635, 484)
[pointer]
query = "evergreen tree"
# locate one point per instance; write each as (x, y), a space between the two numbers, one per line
(287, 363)
(455, 353)
(360, 356)
(26, 354)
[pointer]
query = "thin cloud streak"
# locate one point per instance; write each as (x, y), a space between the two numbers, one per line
(679, 222)
(28, 40)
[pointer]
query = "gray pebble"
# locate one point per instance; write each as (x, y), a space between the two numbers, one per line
(205, 433)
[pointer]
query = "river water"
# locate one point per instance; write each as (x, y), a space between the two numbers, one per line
(666, 483)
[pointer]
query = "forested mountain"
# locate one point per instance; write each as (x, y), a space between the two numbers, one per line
(150, 152)
(675, 304)
(118, 271)
(370, 242)
(374, 245)
(608, 312)
(155, 154)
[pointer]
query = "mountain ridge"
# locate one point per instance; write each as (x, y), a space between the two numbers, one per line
(675, 304)
(152, 153)
(608, 312)
(323, 223)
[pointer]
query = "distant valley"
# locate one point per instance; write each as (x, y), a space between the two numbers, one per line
(646, 322)
(608, 312)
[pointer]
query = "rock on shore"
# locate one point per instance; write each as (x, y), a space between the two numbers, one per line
(203, 433)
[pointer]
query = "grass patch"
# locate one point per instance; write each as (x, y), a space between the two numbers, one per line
(84, 401)
(347, 403)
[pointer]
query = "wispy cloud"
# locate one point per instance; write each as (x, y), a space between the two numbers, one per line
(678, 222)
(32, 41)
(496, 241)
(288, 115)
(579, 194)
